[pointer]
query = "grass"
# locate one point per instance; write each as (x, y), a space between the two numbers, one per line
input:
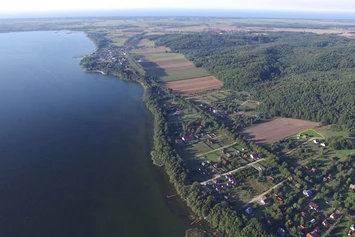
(186, 74)
(164, 56)
(328, 132)
(147, 43)
(312, 133)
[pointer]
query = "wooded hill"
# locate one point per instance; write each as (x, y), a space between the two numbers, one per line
(300, 75)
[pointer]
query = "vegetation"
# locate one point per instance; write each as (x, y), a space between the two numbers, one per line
(299, 75)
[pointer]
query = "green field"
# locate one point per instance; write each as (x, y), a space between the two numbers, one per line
(328, 132)
(164, 56)
(146, 43)
(312, 133)
(186, 74)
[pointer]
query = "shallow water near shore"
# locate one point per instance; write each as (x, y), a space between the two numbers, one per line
(74, 147)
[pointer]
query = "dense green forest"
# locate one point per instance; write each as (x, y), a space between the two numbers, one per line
(300, 75)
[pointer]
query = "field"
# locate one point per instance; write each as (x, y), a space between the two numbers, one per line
(171, 68)
(160, 62)
(276, 129)
(194, 85)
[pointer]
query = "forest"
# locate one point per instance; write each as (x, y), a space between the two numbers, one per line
(300, 75)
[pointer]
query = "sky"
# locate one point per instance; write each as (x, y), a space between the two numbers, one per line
(9, 6)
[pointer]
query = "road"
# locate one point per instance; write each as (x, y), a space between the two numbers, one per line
(259, 197)
(232, 171)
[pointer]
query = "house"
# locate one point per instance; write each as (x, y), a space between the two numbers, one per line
(254, 156)
(352, 186)
(265, 201)
(313, 221)
(351, 232)
(334, 216)
(272, 178)
(178, 141)
(279, 198)
(281, 232)
(307, 193)
(315, 141)
(224, 162)
(187, 138)
(312, 234)
(313, 206)
(302, 227)
(228, 155)
(315, 233)
(217, 165)
(325, 223)
(249, 211)
(245, 156)
(304, 214)
(323, 144)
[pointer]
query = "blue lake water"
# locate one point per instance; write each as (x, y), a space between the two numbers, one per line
(74, 147)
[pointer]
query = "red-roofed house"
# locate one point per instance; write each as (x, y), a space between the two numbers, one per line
(325, 223)
(313, 206)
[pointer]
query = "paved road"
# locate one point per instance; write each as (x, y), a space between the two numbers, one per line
(232, 171)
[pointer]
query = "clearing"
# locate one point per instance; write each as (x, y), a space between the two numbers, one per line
(276, 129)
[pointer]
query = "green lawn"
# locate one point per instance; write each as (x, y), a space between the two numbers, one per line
(164, 56)
(312, 133)
(186, 74)
(327, 132)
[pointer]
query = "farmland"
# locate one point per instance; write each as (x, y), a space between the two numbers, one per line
(160, 62)
(194, 85)
(276, 129)
(208, 139)
(171, 68)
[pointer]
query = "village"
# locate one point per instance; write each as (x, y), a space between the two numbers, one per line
(296, 198)
(287, 173)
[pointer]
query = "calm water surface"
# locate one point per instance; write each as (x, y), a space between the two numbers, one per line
(74, 147)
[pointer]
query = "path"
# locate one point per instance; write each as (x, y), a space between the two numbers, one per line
(259, 197)
(298, 146)
(223, 147)
(251, 101)
(231, 172)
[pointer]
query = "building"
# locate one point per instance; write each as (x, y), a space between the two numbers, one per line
(313, 206)
(254, 156)
(249, 211)
(307, 193)
(334, 216)
(281, 232)
(265, 201)
(352, 186)
(315, 141)
(325, 223)
(187, 138)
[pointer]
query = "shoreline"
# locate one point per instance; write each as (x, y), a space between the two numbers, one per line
(168, 186)
(95, 71)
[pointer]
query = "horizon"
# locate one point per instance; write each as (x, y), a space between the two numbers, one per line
(169, 12)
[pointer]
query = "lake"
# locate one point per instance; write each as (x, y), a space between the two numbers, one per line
(74, 147)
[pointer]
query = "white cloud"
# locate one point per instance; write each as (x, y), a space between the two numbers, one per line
(55, 5)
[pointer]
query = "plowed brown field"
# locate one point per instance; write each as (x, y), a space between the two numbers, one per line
(276, 129)
(195, 85)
